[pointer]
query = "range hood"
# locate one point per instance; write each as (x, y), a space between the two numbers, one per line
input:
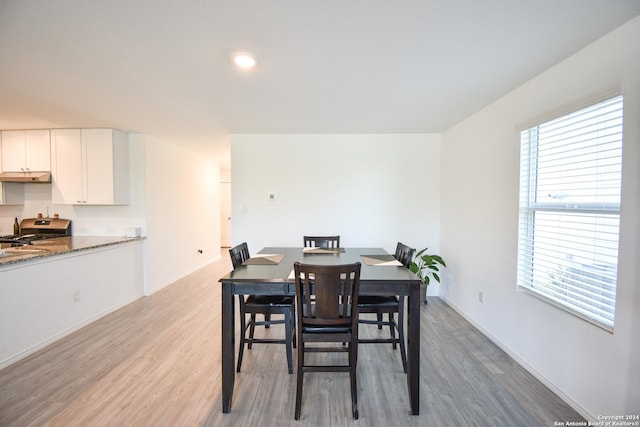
(25, 177)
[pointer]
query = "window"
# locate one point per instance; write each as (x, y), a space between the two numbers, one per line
(570, 176)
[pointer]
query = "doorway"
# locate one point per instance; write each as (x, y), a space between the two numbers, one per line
(225, 207)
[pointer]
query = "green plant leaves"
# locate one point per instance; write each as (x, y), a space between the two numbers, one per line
(425, 266)
(439, 260)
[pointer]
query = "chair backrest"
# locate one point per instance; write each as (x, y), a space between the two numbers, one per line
(404, 254)
(239, 254)
(327, 295)
(322, 241)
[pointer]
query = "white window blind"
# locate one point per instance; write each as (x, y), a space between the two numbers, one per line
(570, 179)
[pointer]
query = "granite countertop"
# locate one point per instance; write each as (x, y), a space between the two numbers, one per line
(62, 245)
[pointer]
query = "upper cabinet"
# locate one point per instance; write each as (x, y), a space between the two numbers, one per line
(25, 150)
(90, 167)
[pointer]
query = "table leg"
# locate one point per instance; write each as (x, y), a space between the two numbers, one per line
(413, 348)
(228, 346)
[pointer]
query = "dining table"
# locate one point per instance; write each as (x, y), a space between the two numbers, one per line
(270, 272)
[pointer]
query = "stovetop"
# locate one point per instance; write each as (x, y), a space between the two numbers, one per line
(33, 229)
(26, 239)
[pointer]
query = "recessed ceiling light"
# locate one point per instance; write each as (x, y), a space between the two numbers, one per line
(244, 60)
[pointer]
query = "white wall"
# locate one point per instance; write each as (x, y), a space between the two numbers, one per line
(366, 188)
(595, 370)
(183, 211)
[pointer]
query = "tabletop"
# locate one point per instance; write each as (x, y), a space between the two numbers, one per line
(281, 271)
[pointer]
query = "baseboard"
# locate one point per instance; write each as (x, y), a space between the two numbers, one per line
(522, 363)
(181, 276)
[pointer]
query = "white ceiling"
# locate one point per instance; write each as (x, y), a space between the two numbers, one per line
(162, 67)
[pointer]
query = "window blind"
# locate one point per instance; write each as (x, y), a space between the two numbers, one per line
(570, 180)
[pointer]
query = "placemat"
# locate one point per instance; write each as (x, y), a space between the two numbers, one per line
(264, 259)
(322, 250)
(380, 260)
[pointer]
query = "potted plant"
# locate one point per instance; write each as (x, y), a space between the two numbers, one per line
(426, 266)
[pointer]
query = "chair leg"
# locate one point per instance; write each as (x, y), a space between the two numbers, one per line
(267, 318)
(299, 379)
(243, 331)
(240, 353)
(252, 327)
(392, 326)
(403, 352)
(287, 335)
(379, 316)
(353, 358)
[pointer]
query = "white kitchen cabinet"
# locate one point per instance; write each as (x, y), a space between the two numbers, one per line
(11, 193)
(90, 167)
(66, 166)
(26, 150)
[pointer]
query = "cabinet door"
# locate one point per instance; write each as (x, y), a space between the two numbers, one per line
(26, 150)
(98, 160)
(66, 166)
(13, 150)
(38, 150)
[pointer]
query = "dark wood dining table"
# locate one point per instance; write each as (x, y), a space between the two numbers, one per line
(273, 275)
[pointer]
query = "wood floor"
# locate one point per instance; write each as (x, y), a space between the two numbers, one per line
(156, 362)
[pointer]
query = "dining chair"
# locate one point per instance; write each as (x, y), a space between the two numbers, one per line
(392, 304)
(329, 242)
(266, 305)
(327, 304)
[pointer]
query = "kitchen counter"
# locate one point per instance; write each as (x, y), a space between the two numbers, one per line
(58, 246)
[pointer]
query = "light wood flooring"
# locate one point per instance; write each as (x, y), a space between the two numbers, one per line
(156, 362)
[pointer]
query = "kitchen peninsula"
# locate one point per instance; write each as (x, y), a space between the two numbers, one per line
(52, 288)
(58, 246)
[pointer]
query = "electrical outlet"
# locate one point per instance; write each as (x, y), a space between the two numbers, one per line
(76, 297)
(481, 297)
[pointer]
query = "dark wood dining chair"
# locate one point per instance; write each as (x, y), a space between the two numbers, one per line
(266, 305)
(392, 304)
(327, 304)
(329, 242)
